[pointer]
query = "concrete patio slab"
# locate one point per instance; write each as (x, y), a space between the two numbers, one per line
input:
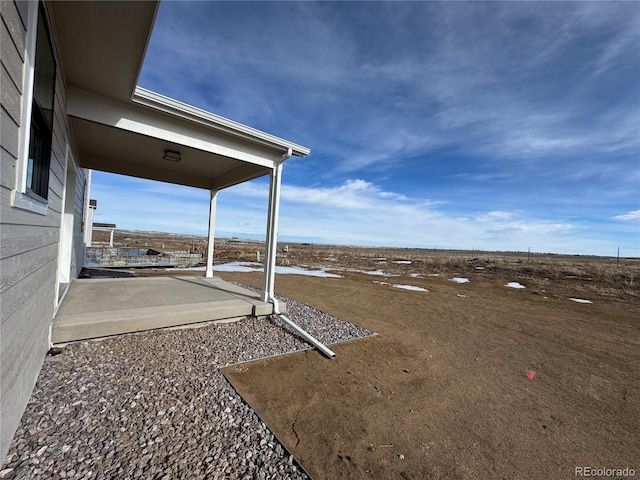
(96, 308)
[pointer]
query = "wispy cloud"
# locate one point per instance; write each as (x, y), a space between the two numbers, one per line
(510, 79)
(634, 215)
(361, 212)
(138, 204)
(354, 212)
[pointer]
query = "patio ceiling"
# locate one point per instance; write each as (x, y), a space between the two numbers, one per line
(121, 128)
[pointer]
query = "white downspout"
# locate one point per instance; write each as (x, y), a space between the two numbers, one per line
(271, 254)
(272, 228)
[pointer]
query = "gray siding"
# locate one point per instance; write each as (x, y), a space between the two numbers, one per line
(29, 241)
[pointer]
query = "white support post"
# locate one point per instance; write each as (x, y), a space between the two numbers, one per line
(111, 237)
(88, 211)
(89, 226)
(272, 233)
(212, 226)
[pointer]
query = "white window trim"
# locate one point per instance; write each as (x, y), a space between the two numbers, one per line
(26, 202)
(20, 198)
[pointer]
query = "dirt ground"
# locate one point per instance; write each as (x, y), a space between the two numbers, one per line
(443, 390)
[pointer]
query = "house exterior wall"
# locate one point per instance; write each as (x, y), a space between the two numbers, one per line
(81, 197)
(29, 245)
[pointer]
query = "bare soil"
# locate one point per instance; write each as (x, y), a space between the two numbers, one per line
(442, 391)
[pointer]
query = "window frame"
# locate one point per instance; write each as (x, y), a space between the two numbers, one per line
(23, 196)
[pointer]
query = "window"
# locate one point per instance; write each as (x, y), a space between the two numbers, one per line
(44, 81)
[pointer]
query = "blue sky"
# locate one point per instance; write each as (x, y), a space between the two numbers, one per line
(495, 126)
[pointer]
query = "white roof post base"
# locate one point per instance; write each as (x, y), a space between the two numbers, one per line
(212, 225)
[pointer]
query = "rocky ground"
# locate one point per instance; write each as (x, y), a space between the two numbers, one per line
(156, 406)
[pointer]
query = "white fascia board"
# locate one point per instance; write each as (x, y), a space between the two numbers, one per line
(134, 118)
(194, 114)
(146, 46)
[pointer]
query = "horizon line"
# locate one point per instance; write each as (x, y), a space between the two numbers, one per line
(382, 247)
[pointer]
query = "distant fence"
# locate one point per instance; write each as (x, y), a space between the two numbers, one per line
(139, 257)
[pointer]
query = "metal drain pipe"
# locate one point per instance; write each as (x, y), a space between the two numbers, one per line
(303, 333)
(271, 254)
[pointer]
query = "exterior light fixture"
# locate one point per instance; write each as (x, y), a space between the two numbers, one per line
(171, 156)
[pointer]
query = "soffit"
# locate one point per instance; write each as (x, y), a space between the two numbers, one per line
(101, 44)
(115, 150)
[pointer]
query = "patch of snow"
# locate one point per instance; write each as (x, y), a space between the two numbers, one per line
(415, 275)
(514, 285)
(460, 280)
(410, 287)
(580, 300)
(434, 275)
(403, 262)
(256, 267)
(461, 295)
(238, 267)
(303, 271)
(381, 283)
(479, 268)
(379, 273)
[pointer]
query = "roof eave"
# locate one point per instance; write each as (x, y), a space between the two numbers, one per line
(146, 46)
(171, 106)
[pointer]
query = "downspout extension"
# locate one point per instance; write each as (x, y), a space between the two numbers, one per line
(271, 261)
(303, 333)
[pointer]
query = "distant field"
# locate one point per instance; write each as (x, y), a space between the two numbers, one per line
(603, 275)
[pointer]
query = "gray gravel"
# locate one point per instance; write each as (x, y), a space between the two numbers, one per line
(156, 406)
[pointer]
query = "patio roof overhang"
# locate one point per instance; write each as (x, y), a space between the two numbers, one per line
(131, 137)
(121, 128)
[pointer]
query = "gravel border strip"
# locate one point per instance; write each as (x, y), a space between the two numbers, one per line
(155, 405)
(253, 360)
